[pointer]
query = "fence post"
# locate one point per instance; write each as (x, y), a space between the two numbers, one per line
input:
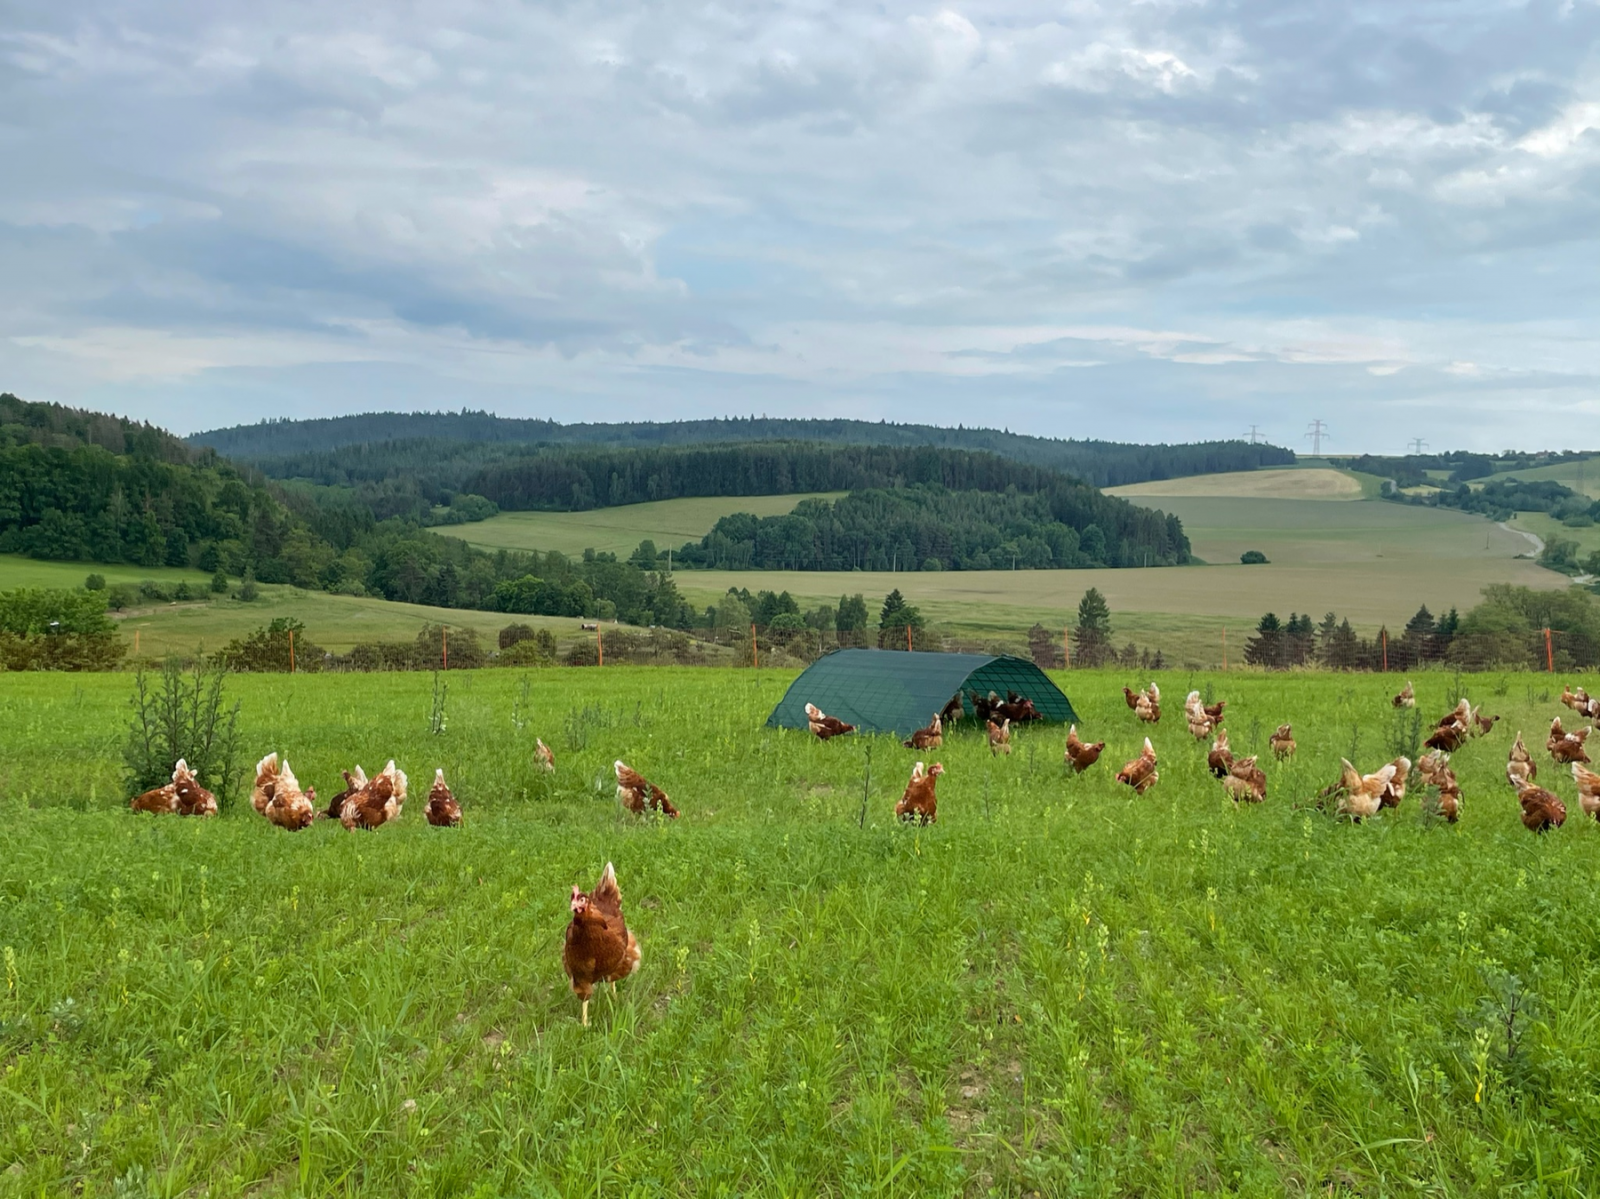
(135, 643)
(1549, 653)
(291, 651)
(908, 639)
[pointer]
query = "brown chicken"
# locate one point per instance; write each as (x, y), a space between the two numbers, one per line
(379, 802)
(1461, 714)
(1141, 773)
(266, 781)
(290, 808)
(638, 794)
(1245, 782)
(442, 811)
(1220, 760)
(547, 760)
(1567, 747)
(1482, 725)
(1079, 755)
(919, 802)
(1447, 737)
(1362, 794)
(353, 782)
(953, 712)
(1434, 769)
(1576, 700)
(1148, 707)
(1132, 697)
(1541, 810)
(1282, 742)
(999, 738)
(183, 796)
(1017, 708)
(1588, 790)
(599, 947)
(1214, 710)
(825, 726)
(1407, 697)
(931, 737)
(1520, 767)
(1194, 714)
(1396, 789)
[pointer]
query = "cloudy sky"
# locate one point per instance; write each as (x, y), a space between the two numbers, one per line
(1145, 221)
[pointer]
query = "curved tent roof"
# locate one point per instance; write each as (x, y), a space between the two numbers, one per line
(895, 691)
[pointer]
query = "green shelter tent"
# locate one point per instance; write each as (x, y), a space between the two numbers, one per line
(894, 691)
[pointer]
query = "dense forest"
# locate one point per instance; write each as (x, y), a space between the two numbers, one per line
(450, 446)
(925, 527)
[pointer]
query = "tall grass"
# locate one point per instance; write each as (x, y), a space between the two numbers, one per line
(1059, 989)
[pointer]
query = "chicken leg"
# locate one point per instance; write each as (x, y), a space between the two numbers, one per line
(586, 1013)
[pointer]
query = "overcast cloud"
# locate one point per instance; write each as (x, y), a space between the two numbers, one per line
(1144, 221)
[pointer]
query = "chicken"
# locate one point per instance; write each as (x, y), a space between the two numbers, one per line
(1434, 769)
(1541, 810)
(183, 796)
(1481, 724)
(1588, 790)
(1520, 767)
(919, 802)
(1407, 697)
(931, 737)
(1080, 756)
(825, 726)
(353, 782)
(638, 794)
(443, 811)
(266, 780)
(1363, 794)
(599, 948)
(547, 760)
(1200, 723)
(1567, 747)
(290, 808)
(1576, 700)
(1132, 697)
(379, 802)
(999, 738)
(1018, 708)
(1141, 773)
(1148, 710)
(1282, 742)
(1220, 760)
(1396, 789)
(1447, 737)
(1245, 781)
(1461, 714)
(953, 712)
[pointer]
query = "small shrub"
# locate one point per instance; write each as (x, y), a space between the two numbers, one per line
(184, 715)
(95, 582)
(219, 583)
(268, 648)
(538, 650)
(1253, 558)
(248, 591)
(183, 593)
(514, 633)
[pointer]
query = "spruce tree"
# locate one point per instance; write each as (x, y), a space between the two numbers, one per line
(1091, 639)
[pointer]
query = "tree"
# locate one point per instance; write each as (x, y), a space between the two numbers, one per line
(850, 619)
(645, 556)
(1253, 558)
(1416, 644)
(896, 617)
(1091, 639)
(1266, 648)
(1300, 640)
(267, 649)
(1043, 647)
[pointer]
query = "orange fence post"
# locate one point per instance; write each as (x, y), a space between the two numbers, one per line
(600, 643)
(291, 651)
(1549, 653)
(908, 639)
(135, 643)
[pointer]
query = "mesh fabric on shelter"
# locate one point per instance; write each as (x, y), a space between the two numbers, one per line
(889, 691)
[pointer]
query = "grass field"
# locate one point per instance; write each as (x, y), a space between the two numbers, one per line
(1311, 483)
(1059, 989)
(620, 530)
(1582, 475)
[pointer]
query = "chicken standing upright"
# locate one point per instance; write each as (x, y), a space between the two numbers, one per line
(1148, 706)
(1541, 810)
(999, 738)
(1588, 790)
(599, 947)
(1576, 700)
(1081, 756)
(266, 782)
(1141, 773)
(290, 808)
(382, 800)
(919, 802)
(1434, 769)
(929, 737)
(1194, 713)
(638, 794)
(1520, 766)
(547, 760)
(443, 811)
(1282, 742)
(1362, 794)
(1220, 760)
(825, 726)
(1245, 782)
(1567, 747)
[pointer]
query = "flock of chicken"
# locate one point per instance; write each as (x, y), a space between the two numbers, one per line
(599, 948)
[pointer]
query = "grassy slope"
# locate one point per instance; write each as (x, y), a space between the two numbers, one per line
(1582, 476)
(619, 530)
(1058, 989)
(1311, 483)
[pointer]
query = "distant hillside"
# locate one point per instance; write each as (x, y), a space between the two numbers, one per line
(54, 427)
(287, 449)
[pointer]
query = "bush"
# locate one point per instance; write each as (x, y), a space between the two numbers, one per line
(183, 593)
(123, 595)
(1253, 558)
(536, 650)
(583, 653)
(95, 583)
(57, 630)
(248, 591)
(465, 651)
(219, 583)
(514, 633)
(267, 649)
(183, 715)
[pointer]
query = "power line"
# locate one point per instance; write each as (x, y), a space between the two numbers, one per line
(1417, 445)
(1317, 431)
(1255, 437)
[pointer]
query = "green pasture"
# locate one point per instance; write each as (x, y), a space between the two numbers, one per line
(669, 523)
(1582, 475)
(1058, 989)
